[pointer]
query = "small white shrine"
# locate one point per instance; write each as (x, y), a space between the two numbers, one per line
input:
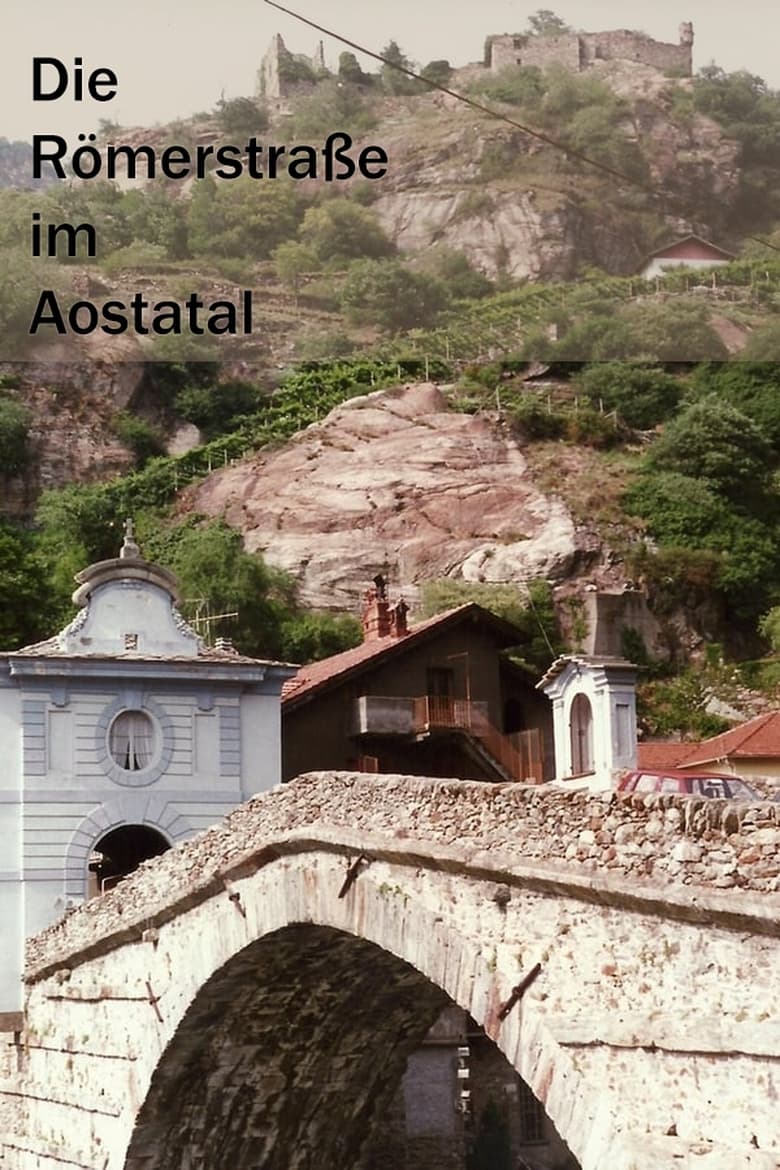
(594, 717)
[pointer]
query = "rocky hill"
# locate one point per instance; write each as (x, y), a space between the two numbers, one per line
(482, 187)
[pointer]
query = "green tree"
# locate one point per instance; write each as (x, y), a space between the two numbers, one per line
(763, 345)
(213, 407)
(332, 104)
(714, 442)
(293, 261)
(394, 80)
(243, 217)
(25, 600)
(350, 70)
(524, 87)
(99, 203)
(386, 293)
(307, 637)
(770, 628)
(22, 277)
(155, 216)
(439, 72)
(531, 611)
(678, 332)
(749, 111)
(216, 575)
(678, 706)
(679, 510)
(340, 230)
(143, 438)
(455, 271)
(545, 23)
(16, 208)
(753, 387)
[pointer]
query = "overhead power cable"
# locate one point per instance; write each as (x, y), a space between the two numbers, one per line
(673, 207)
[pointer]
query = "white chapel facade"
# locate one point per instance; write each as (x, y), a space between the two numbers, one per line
(120, 736)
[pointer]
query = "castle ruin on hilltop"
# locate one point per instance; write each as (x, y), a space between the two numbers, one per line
(282, 73)
(578, 51)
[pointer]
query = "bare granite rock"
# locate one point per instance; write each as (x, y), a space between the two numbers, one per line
(395, 482)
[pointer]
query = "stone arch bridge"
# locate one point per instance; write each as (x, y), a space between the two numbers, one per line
(249, 999)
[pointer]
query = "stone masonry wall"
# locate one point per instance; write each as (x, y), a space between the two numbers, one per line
(623, 45)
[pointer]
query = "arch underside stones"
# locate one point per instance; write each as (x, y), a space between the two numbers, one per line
(266, 1023)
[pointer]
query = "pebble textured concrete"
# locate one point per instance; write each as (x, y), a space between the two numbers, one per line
(226, 1009)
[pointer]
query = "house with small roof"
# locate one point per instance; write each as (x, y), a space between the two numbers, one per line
(440, 698)
(689, 252)
(751, 749)
(121, 735)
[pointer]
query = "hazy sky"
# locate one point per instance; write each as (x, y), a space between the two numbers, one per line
(173, 58)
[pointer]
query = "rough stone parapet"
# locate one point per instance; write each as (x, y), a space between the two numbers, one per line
(669, 850)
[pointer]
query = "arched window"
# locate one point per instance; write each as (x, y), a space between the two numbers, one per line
(581, 728)
(120, 852)
(132, 741)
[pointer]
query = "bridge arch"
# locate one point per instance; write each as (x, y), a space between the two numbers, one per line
(285, 1057)
(292, 1032)
(274, 989)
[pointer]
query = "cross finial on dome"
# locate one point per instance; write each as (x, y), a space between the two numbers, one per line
(129, 547)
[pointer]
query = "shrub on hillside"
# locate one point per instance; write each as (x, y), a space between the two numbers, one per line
(143, 439)
(642, 395)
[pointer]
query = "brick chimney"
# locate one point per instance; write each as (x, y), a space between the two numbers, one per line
(398, 614)
(380, 618)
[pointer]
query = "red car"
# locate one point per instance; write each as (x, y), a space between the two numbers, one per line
(689, 783)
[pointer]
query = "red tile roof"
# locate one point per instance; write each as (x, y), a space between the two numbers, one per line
(661, 754)
(759, 738)
(316, 676)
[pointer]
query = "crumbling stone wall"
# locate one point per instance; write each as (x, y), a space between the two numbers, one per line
(579, 51)
(623, 45)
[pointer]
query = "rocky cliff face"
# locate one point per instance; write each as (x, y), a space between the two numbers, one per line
(479, 186)
(394, 482)
(72, 392)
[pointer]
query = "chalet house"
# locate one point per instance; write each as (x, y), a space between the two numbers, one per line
(436, 699)
(689, 252)
(120, 736)
(750, 749)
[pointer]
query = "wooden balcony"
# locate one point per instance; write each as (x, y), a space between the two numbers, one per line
(518, 757)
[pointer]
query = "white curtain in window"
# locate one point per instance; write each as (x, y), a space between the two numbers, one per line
(132, 740)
